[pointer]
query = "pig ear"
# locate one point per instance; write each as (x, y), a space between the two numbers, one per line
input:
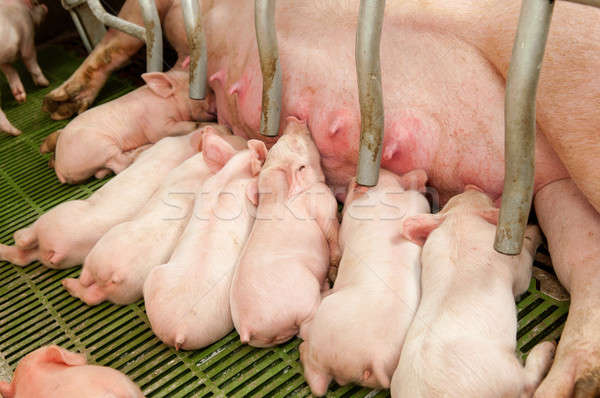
(7, 390)
(59, 355)
(417, 228)
(490, 215)
(252, 191)
(160, 83)
(297, 178)
(260, 150)
(414, 180)
(216, 151)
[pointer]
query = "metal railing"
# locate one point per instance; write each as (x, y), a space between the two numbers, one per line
(192, 17)
(151, 34)
(520, 127)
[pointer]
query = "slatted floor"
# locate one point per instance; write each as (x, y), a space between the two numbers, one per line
(35, 310)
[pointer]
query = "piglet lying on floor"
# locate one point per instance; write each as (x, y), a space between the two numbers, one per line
(53, 372)
(107, 138)
(17, 21)
(117, 266)
(187, 299)
(62, 237)
(376, 292)
(282, 269)
(462, 340)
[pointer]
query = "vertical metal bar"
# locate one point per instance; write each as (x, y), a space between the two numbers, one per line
(368, 70)
(154, 41)
(520, 128)
(266, 36)
(116, 22)
(192, 17)
(81, 31)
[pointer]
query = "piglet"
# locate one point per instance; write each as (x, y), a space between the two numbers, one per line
(107, 138)
(187, 299)
(462, 340)
(62, 237)
(117, 266)
(283, 267)
(18, 18)
(53, 372)
(376, 292)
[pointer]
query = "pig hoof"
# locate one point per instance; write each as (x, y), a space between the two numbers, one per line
(10, 130)
(41, 81)
(588, 386)
(66, 100)
(20, 96)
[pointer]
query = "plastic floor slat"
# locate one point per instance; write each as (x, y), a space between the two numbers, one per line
(35, 310)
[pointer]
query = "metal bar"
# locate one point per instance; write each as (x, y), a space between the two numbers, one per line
(192, 17)
(154, 40)
(81, 31)
(368, 71)
(520, 127)
(266, 36)
(115, 22)
(593, 3)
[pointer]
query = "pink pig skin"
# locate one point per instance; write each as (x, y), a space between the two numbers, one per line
(117, 266)
(376, 292)
(462, 340)
(109, 137)
(18, 18)
(62, 237)
(53, 372)
(281, 272)
(187, 299)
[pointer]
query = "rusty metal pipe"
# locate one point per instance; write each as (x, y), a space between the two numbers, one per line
(266, 37)
(192, 17)
(520, 127)
(116, 22)
(153, 34)
(368, 71)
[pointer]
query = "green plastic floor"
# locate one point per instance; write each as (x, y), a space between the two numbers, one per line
(35, 310)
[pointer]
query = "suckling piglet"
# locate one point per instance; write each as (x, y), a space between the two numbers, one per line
(187, 299)
(18, 19)
(462, 340)
(117, 266)
(357, 333)
(282, 270)
(62, 237)
(53, 372)
(107, 138)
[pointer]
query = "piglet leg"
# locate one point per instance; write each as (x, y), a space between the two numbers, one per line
(6, 126)
(31, 63)
(14, 81)
(49, 143)
(91, 295)
(18, 256)
(121, 161)
(538, 363)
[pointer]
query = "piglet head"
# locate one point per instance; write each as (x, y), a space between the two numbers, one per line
(472, 201)
(35, 362)
(296, 155)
